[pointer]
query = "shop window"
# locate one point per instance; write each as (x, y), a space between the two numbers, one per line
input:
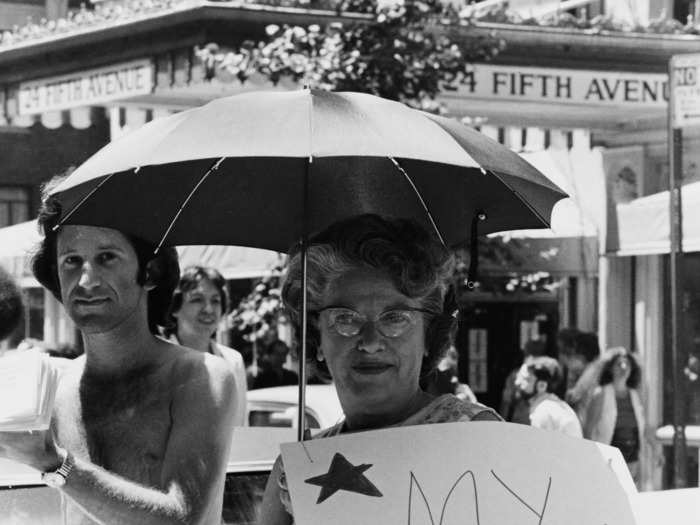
(14, 205)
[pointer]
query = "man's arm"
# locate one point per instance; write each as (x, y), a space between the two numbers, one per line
(194, 465)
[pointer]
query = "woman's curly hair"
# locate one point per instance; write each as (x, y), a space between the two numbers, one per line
(418, 264)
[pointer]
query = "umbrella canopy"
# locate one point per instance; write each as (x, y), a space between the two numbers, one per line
(262, 169)
(267, 169)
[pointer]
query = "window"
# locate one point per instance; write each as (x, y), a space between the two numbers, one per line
(14, 205)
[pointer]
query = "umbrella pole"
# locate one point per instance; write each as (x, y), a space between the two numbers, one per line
(302, 355)
(301, 423)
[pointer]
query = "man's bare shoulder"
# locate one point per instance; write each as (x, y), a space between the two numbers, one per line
(192, 365)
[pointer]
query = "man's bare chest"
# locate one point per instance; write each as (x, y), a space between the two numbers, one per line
(123, 431)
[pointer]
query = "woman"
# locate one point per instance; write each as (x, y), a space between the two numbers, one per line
(615, 414)
(380, 318)
(199, 302)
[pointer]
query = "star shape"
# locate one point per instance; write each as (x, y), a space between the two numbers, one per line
(343, 475)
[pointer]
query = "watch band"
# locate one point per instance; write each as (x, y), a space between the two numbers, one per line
(58, 477)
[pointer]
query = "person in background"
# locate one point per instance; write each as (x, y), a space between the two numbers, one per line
(199, 302)
(271, 371)
(445, 378)
(515, 408)
(567, 339)
(141, 430)
(615, 413)
(11, 305)
(380, 317)
(537, 380)
(585, 364)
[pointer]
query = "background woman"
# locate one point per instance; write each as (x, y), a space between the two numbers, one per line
(615, 413)
(199, 302)
(381, 317)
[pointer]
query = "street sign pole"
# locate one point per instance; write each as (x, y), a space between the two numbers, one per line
(684, 111)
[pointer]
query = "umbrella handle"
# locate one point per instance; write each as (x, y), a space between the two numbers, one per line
(479, 216)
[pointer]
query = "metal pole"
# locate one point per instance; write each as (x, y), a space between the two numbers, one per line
(675, 173)
(301, 416)
(302, 355)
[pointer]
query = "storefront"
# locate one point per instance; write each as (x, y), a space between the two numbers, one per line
(638, 254)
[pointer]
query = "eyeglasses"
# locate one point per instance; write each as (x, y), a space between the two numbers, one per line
(391, 323)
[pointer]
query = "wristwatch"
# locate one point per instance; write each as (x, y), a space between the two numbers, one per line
(58, 477)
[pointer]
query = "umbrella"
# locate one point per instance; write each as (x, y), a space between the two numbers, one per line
(267, 169)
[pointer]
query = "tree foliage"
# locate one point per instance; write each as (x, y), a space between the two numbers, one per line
(401, 54)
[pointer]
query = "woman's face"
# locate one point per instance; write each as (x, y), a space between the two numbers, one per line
(621, 368)
(373, 373)
(201, 310)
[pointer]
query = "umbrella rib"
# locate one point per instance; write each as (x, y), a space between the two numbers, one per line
(420, 199)
(214, 167)
(75, 208)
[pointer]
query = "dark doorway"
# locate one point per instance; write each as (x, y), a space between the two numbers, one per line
(490, 339)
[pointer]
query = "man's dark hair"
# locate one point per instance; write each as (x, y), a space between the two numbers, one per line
(587, 346)
(188, 281)
(11, 305)
(163, 271)
(567, 339)
(546, 369)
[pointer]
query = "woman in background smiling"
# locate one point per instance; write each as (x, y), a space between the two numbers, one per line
(199, 302)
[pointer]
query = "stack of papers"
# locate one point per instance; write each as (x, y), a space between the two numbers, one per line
(27, 390)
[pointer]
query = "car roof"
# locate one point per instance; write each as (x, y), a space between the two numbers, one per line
(321, 400)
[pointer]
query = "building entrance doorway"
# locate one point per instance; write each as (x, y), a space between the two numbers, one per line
(491, 337)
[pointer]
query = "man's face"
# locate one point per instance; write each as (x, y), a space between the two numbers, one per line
(525, 381)
(97, 271)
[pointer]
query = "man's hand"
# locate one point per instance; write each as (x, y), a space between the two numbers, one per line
(36, 449)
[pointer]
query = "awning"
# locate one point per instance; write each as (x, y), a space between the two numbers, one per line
(643, 226)
(571, 245)
(18, 242)
(234, 262)
(578, 173)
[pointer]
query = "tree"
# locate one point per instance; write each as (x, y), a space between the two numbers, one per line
(400, 54)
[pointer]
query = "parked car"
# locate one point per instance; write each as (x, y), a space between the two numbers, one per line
(277, 406)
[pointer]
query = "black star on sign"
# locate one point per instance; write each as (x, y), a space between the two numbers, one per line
(343, 475)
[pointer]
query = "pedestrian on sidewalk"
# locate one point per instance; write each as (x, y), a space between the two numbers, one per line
(537, 380)
(616, 414)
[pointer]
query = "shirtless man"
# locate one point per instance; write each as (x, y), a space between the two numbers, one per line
(141, 428)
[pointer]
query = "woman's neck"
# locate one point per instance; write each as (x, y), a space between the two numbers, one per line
(620, 385)
(194, 341)
(367, 421)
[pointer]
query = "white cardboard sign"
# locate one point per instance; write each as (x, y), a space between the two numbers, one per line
(484, 473)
